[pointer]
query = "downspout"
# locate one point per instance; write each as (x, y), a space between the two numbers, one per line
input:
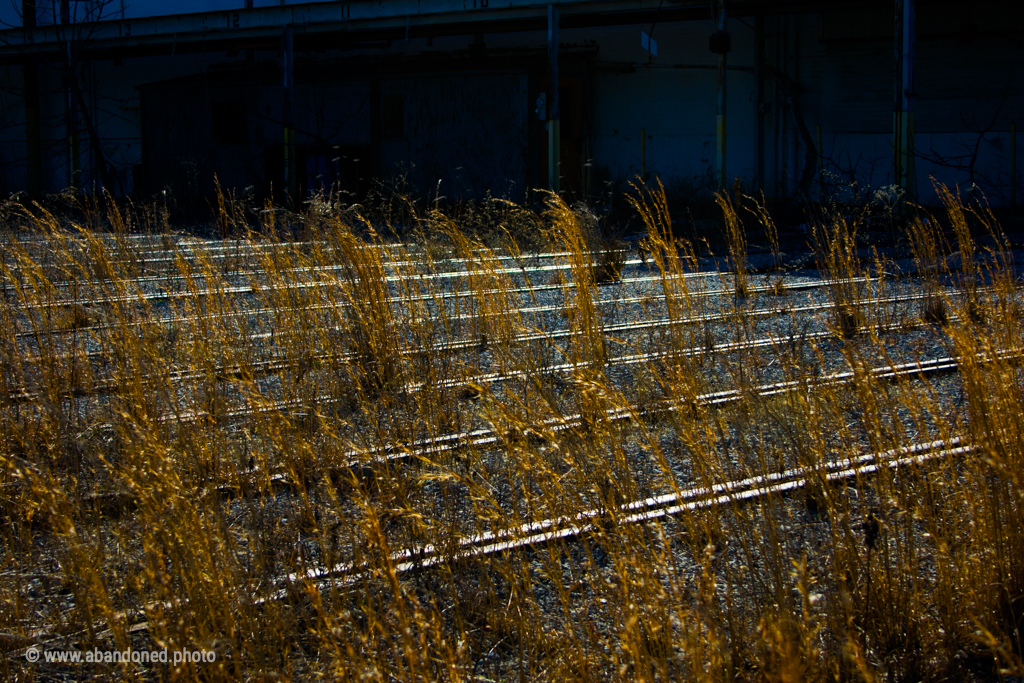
(288, 73)
(909, 45)
(761, 108)
(554, 108)
(720, 120)
(33, 129)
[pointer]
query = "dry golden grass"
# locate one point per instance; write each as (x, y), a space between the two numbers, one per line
(273, 487)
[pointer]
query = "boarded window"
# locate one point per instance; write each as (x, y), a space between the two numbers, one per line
(230, 122)
(392, 112)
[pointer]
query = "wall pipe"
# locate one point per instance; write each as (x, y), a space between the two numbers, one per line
(33, 128)
(720, 122)
(903, 139)
(554, 107)
(288, 74)
(761, 107)
(1013, 164)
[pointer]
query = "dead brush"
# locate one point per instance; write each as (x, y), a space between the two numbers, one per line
(672, 257)
(611, 259)
(737, 247)
(588, 347)
(929, 249)
(370, 326)
(494, 313)
(835, 249)
(219, 534)
(970, 276)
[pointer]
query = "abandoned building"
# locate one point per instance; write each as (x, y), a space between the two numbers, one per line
(457, 98)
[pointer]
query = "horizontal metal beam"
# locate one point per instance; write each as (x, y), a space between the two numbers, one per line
(247, 25)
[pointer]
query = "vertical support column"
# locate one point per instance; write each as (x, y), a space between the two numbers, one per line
(761, 106)
(778, 109)
(821, 164)
(907, 97)
(903, 118)
(376, 129)
(69, 108)
(720, 122)
(250, 54)
(554, 109)
(1013, 164)
(33, 130)
(897, 119)
(643, 153)
(288, 74)
(897, 75)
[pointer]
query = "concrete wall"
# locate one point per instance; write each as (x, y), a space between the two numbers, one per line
(461, 135)
(469, 120)
(672, 98)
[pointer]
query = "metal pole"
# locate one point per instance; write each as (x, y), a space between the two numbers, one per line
(821, 165)
(250, 55)
(897, 105)
(761, 107)
(907, 97)
(33, 129)
(69, 110)
(554, 109)
(288, 73)
(643, 153)
(1013, 164)
(720, 117)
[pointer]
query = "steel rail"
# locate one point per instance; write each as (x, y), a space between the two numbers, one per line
(184, 243)
(282, 364)
(423, 448)
(255, 288)
(171, 277)
(418, 448)
(445, 296)
(534, 534)
(358, 460)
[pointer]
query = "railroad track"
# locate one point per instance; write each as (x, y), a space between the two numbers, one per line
(432, 446)
(283, 364)
(538, 533)
(388, 265)
(534, 535)
(442, 296)
(307, 284)
(358, 461)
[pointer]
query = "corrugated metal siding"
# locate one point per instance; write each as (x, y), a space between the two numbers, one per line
(673, 98)
(955, 78)
(857, 89)
(469, 132)
(178, 144)
(962, 86)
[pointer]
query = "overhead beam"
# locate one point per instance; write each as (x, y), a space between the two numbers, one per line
(262, 24)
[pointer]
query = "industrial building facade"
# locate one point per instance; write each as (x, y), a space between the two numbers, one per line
(463, 97)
